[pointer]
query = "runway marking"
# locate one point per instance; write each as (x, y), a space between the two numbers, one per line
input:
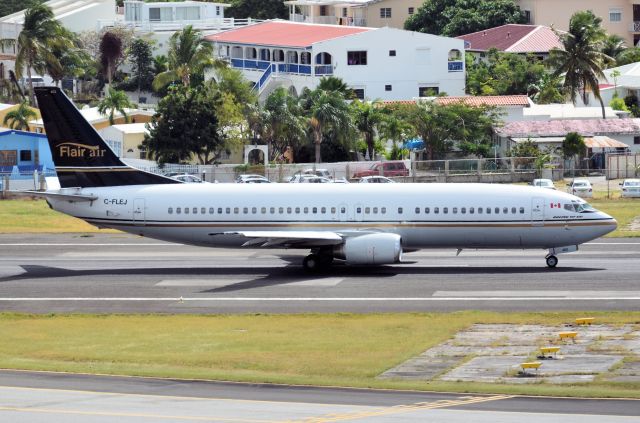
(221, 282)
(398, 409)
(123, 414)
(311, 299)
(538, 294)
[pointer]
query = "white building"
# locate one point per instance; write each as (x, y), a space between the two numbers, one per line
(75, 15)
(378, 63)
(124, 139)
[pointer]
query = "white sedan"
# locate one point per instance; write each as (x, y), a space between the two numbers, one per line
(581, 188)
(543, 183)
(376, 180)
(630, 188)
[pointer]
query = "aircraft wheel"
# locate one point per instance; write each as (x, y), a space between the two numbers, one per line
(552, 261)
(311, 263)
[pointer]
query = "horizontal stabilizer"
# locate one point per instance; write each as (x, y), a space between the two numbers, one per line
(55, 195)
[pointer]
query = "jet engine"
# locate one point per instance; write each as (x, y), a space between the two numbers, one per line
(371, 249)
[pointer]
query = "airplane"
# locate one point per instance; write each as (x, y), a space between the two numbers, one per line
(359, 224)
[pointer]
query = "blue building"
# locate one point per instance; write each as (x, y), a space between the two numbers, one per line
(21, 153)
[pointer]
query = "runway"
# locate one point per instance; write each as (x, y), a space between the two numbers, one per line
(124, 273)
(48, 397)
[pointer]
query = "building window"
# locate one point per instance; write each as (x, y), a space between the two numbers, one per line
(527, 16)
(428, 91)
(392, 53)
(636, 140)
(356, 58)
(25, 155)
(615, 15)
(387, 87)
(359, 93)
(323, 11)
(344, 12)
(411, 10)
(385, 12)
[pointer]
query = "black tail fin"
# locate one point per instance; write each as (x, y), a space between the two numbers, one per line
(81, 156)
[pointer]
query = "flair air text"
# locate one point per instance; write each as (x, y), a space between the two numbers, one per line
(72, 149)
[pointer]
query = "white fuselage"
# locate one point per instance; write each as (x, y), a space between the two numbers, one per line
(424, 215)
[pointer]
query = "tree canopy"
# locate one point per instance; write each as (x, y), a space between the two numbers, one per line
(457, 17)
(8, 7)
(257, 9)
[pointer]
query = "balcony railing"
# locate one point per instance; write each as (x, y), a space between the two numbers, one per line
(203, 24)
(295, 68)
(324, 70)
(634, 27)
(456, 66)
(327, 20)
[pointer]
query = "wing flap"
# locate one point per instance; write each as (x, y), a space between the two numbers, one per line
(288, 238)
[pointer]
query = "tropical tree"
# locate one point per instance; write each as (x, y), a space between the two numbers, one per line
(73, 60)
(367, 116)
(613, 46)
(573, 145)
(189, 54)
(503, 74)
(33, 43)
(257, 9)
(140, 56)
(20, 117)
(547, 90)
(115, 101)
(326, 111)
(581, 60)
(111, 52)
(397, 130)
(333, 83)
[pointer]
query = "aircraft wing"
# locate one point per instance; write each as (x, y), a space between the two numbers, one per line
(56, 195)
(301, 239)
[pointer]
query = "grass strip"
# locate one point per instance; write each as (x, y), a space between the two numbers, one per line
(314, 349)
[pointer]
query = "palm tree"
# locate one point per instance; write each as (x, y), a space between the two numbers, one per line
(395, 129)
(282, 121)
(332, 83)
(189, 54)
(613, 45)
(326, 110)
(367, 116)
(34, 41)
(20, 117)
(115, 101)
(581, 60)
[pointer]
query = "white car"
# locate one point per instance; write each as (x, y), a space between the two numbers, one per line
(251, 179)
(581, 188)
(376, 180)
(189, 179)
(543, 183)
(318, 172)
(316, 180)
(630, 188)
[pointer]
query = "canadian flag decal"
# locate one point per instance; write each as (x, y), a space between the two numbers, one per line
(555, 205)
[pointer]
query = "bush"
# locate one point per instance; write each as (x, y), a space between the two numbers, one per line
(618, 104)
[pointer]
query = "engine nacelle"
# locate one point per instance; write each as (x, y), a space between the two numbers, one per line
(371, 249)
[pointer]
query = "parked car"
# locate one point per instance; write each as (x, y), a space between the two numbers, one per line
(316, 180)
(189, 179)
(298, 178)
(376, 180)
(630, 188)
(384, 168)
(581, 188)
(243, 179)
(543, 183)
(318, 172)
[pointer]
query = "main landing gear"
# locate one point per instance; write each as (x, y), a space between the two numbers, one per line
(552, 261)
(315, 262)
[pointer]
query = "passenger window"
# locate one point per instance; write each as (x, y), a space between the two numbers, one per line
(358, 210)
(228, 210)
(455, 210)
(513, 210)
(212, 210)
(314, 210)
(436, 210)
(333, 210)
(203, 211)
(417, 210)
(254, 210)
(471, 210)
(480, 210)
(367, 210)
(178, 210)
(186, 210)
(263, 210)
(463, 210)
(297, 210)
(281, 210)
(375, 210)
(323, 210)
(497, 210)
(289, 210)
(488, 210)
(521, 210)
(195, 210)
(383, 210)
(343, 210)
(170, 210)
(505, 210)
(236, 210)
(427, 210)
(399, 210)
(306, 210)
(272, 210)
(445, 210)
(219, 210)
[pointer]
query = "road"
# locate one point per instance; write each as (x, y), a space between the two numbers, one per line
(49, 397)
(124, 273)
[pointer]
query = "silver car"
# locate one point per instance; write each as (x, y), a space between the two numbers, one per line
(630, 188)
(581, 188)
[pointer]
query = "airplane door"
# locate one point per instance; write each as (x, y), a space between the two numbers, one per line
(138, 212)
(537, 211)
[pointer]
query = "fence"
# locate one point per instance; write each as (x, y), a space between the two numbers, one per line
(623, 166)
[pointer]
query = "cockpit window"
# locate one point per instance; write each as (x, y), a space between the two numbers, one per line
(579, 207)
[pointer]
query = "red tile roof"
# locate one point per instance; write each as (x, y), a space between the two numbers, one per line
(489, 100)
(513, 38)
(7, 56)
(285, 34)
(560, 128)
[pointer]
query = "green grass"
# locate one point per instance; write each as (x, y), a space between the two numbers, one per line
(34, 216)
(315, 349)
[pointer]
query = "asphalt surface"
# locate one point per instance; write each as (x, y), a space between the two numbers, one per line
(124, 273)
(51, 397)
